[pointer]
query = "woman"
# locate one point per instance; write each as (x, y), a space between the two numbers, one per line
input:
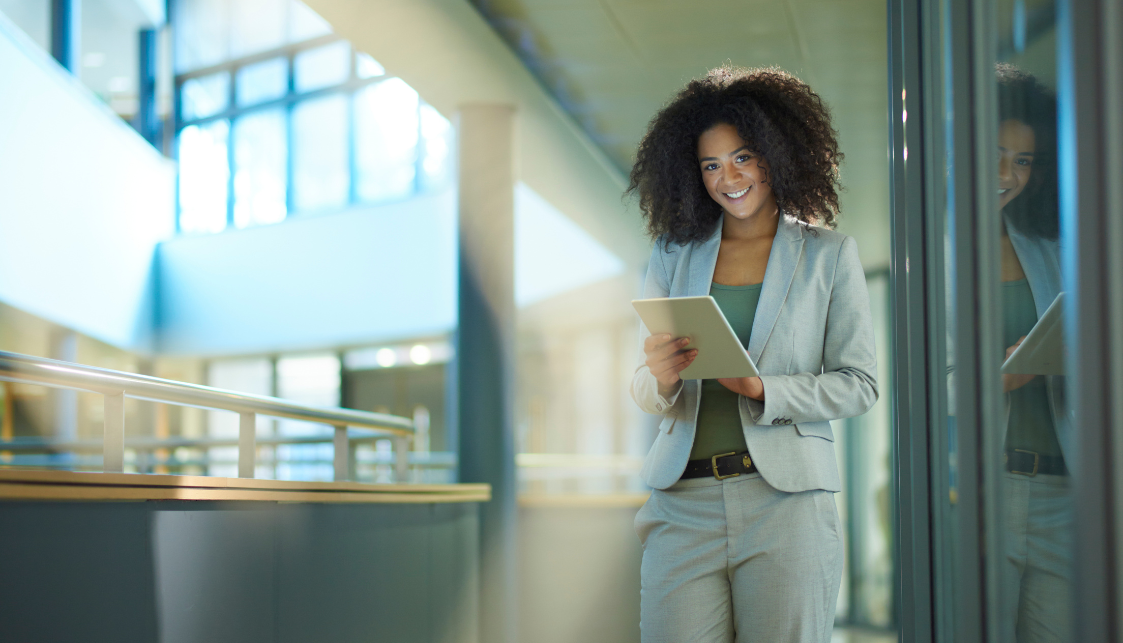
(1036, 485)
(741, 536)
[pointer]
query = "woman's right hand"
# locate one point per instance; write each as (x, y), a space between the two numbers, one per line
(1011, 382)
(666, 358)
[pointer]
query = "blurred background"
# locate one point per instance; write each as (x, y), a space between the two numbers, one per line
(262, 195)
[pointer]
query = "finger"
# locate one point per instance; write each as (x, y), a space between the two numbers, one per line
(680, 360)
(665, 351)
(653, 341)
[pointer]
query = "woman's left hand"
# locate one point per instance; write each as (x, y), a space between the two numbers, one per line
(748, 386)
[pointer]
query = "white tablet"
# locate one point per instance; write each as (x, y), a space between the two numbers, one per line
(720, 353)
(1042, 351)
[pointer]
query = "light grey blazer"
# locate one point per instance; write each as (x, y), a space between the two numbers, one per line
(812, 340)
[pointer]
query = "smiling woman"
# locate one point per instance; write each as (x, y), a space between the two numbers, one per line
(740, 533)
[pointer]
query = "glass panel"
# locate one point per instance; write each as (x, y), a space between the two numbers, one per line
(308, 379)
(206, 96)
(33, 17)
(255, 377)
(109, 64)
(1035, 450)
(436, 150)
(367, 67)
(320, 166)
(262, 81)
(259, 168)
(386, 137)
(202, 33)
(323, 67)
(204, 176)
(305, 24)
(257, 26)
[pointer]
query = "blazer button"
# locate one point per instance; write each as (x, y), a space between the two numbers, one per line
(659, 407)
(775, 421)
(787, 420)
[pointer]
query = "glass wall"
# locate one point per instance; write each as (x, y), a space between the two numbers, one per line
(1006, 220)
(278, 116)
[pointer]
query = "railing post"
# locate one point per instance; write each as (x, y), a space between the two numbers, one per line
(113, 440)
(247, 444)
(401, 458)
(341, 454)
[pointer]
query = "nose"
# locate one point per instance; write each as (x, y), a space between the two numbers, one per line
(1004, 173)
(730, 174)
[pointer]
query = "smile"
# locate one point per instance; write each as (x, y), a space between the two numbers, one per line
(737, 195)
(1002, 191)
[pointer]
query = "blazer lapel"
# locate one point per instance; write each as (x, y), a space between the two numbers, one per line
(703, 260)
(778, 275)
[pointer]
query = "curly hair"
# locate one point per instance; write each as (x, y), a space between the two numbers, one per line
(779, 117)
(1021, 97)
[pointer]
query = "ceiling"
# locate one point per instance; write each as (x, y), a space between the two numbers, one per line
(611, 64)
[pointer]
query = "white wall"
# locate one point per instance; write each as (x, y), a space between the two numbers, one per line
(83, 202)
(361, 276)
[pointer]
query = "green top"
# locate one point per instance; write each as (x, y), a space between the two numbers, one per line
(719, 416)
(1031, 424)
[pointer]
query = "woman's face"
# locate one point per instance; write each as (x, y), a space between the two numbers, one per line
(1015, 159)
(735, 177)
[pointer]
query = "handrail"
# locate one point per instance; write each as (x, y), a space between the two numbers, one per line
(117, 385)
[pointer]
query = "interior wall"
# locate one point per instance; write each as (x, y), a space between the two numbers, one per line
(361, 276)
(84, 201)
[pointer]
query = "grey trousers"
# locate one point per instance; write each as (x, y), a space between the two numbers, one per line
(1037, 580)
(736, 560)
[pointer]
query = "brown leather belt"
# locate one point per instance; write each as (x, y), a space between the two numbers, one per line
(725, 465)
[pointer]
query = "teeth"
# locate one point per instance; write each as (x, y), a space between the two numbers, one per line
(1001, 192)
(736, 195)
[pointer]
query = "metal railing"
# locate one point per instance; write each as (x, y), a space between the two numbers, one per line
(115, 386)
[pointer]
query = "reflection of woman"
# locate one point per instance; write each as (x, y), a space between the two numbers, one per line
(741, 536)
(1036, 429)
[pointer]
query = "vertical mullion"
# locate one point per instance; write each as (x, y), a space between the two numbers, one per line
(290, 166)
(912, 551)
(230, 140)
(1086, 112)
(352, 160)
(66, 33)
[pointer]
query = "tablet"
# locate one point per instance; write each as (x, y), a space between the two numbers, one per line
(720, 353)
(1042, 351)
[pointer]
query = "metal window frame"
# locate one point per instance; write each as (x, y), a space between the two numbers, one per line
(351, 87)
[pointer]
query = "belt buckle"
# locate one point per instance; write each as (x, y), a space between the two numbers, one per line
(713, 464)
(1036, 463)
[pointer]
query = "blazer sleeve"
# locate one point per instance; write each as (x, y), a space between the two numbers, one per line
(847, 385)
(645, 388)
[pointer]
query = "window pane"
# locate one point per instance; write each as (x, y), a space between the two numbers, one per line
(202, 33)
(305, 24)
(386, 137)
(259, 168)
(32, 16)
(205, 96)
(307, 379)
(263, 81)
(203, 177)
(367, 67)
(323, 67)
(108, 58)
(256, 26)
(436, 149)
(320, 173)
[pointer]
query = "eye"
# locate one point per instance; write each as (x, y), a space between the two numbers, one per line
(709, 166)
(744, 158)
(1024, 162)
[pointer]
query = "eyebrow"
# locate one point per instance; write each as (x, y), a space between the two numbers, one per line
(1001, 148)
(714, 158)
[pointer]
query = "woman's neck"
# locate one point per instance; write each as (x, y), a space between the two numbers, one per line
(761, 224)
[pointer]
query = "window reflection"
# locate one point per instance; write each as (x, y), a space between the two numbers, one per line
(320, 174)
(203, 177)
(436, 140)
(259, 175)
(367, 67)
(1036, 503)
(263, 81)
(386, 137)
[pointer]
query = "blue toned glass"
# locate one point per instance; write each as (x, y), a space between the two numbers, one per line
(204, 175)
(262, 81)
(205, 96)
(386, 140)
(323, 66)
(367, 67)
(260, 158)
(436, 150)
(321, 179)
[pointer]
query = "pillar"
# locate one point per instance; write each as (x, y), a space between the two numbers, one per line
(485, 349)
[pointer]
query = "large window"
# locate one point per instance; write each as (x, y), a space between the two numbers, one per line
(281, 117)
